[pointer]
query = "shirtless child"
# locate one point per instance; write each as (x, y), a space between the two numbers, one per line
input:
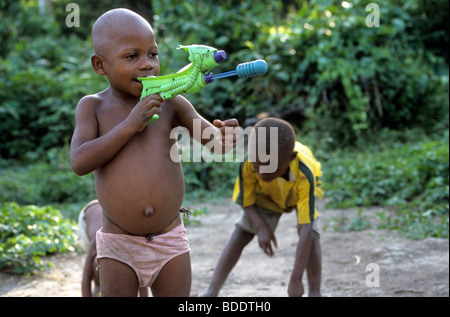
(142, 241)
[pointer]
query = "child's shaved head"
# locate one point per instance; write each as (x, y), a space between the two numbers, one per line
(113, 22)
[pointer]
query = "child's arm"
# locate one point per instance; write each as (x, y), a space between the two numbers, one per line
(265, 236)
(219, 135)
(88, 151)
(295, 288)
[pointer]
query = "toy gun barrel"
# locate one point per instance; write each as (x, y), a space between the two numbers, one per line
(244, 70)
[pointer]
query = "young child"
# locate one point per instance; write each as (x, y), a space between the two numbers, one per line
(89, 222)
(265, 193)
(142, 241)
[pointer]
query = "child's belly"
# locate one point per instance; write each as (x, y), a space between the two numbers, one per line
(140, 192)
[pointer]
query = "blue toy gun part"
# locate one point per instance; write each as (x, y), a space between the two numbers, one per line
(244, 70)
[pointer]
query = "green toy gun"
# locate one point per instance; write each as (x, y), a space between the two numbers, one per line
(196, 76)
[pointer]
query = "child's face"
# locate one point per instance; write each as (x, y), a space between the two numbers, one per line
(282, 169)
(130, 54)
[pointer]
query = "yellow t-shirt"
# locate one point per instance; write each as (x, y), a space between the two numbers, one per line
(281, 195)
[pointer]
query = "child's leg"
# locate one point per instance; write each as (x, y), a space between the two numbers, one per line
(314, 266)
(228, 259)
(174, 279)
(96, 290)
(117, 279)
(143, 291)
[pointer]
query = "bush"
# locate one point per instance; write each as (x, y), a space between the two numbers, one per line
(349, 80)
(346, 79)
(412, 178)
(43, 77)
(28, 233)
(39, 93)
(50, 180)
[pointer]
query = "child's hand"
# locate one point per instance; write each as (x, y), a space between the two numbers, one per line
(265, 240)
(229, 135)
(144, 110)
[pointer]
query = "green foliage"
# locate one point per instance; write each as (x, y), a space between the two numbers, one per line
(413, 178)
(341, 222)
(90, 11)
(20, 21)
(193, 219)
(43, 77)
(358, 223)
(39, 93)
(27, 233)
(348, 79)
(48, 181)
(218, 177)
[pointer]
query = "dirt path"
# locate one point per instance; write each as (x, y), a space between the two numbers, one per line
(406, 267)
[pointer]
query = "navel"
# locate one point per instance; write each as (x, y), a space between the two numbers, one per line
(148, 211)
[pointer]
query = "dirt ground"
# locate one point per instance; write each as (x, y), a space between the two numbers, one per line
(406, 267)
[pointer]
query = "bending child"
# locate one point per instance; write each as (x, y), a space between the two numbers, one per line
(266, 189)
(142, 241)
